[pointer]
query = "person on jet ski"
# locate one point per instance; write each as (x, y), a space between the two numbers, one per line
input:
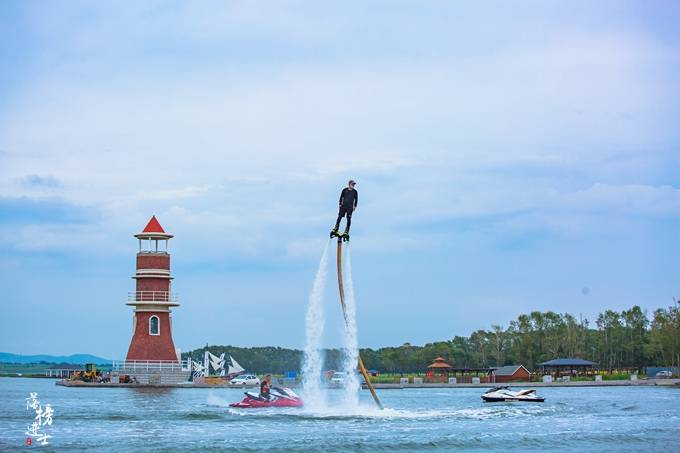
(265, 386)
(349, 198)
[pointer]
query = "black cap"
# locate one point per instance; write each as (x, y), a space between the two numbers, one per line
(351, 182)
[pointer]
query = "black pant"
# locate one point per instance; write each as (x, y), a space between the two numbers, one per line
(345, 211)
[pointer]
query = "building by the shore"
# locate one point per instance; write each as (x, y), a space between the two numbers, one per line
(510, 373)
(63, 371)
(152, 357)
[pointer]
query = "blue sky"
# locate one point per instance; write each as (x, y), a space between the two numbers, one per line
(508, 154)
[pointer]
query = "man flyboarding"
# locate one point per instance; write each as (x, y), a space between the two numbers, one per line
(349, 198)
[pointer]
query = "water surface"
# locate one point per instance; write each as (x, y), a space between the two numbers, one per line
(113, 419)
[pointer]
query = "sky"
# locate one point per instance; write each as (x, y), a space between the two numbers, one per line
(510, 157)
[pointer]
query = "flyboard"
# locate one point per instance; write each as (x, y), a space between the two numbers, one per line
(345, 238)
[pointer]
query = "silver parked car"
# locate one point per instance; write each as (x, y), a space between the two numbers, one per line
(246, 379)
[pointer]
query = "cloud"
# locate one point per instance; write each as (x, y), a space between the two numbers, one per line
(174, 194)
(233, 121)
(494, 149)
(631, 199)
(40, 182)
(50, 210)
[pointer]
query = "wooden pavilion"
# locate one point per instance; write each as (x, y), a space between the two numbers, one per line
(568, 367)
(439, 370)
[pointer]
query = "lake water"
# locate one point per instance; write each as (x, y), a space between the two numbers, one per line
(112, 419)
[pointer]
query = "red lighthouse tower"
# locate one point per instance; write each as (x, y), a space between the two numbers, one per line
(152, 326)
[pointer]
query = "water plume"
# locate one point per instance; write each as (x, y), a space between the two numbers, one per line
(314, 324)
(350, 340)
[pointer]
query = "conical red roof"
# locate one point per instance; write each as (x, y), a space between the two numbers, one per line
(439, 363)
(153, 226)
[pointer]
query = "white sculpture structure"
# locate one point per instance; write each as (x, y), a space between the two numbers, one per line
(217, 364)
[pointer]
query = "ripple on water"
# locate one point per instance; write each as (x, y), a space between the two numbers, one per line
(415, 420)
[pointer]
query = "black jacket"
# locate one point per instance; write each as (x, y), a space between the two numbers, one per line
(349, 198)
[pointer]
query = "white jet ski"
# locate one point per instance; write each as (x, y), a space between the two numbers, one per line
(501, 394)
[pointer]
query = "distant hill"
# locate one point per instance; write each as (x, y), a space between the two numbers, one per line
(7, 357)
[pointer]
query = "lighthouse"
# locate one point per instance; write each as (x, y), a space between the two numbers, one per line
(152, 299)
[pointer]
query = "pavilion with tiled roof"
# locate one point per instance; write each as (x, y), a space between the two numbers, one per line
(439, 365)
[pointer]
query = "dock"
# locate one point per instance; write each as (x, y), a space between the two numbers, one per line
(180, 385)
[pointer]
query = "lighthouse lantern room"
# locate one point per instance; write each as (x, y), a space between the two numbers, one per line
(152, 323)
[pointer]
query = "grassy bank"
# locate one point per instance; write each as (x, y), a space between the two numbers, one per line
(394, 378)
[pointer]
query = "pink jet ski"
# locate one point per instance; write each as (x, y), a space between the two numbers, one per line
(278, 397)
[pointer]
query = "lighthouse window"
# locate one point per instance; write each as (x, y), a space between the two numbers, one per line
(154, 326)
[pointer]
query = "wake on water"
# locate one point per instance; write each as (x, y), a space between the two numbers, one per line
(315, 398)
(341, 412)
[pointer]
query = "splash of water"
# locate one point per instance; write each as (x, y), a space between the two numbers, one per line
(314, 323)
(350, 341)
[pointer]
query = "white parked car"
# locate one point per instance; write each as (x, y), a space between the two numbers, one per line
(338, 378)
(664, 374)
(245, 379)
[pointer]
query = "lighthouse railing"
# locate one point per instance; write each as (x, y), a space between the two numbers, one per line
(150, 365)
(152, 296)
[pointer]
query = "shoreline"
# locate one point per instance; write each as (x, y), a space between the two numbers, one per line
(615, 383)
(383, 386)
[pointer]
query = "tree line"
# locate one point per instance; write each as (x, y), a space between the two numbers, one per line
(615, 340)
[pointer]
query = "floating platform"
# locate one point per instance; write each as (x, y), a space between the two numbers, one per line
(183, 385)
(382, 386)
